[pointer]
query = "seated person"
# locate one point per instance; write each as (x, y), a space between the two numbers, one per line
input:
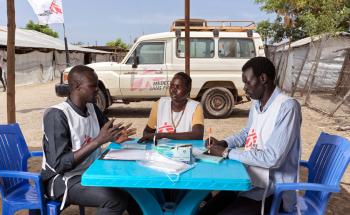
(74, 132)
(177, 116)
(271, 144)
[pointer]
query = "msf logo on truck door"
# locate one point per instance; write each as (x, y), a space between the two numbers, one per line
(148, 80)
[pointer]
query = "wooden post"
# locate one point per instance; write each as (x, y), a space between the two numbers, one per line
(279, 61)
(311, 69)
(274, 54)
(300, 71)
(339, 82)
(318, 57)
(307, 80)
(278, 73)
(342, 72)
(187, 37)
(340, 103)
(284, 69)
(11, 31)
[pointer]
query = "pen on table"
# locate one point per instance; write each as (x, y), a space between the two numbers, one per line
(184, 145)
(209, 141)
(154, 138)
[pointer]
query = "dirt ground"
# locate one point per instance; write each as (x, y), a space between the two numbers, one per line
(31, 101)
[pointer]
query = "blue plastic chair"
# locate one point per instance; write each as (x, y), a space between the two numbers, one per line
(327, 164)
(16, 190)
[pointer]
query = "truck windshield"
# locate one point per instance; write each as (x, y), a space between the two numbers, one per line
(149, 53)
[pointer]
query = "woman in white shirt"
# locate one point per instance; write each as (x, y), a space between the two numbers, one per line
(177, 116)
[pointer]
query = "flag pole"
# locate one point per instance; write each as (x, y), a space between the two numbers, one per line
(66, 50)
(66, 46)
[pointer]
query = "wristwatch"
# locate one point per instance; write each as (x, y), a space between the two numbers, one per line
(226, 152)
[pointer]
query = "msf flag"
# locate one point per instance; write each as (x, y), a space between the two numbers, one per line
(48, 11)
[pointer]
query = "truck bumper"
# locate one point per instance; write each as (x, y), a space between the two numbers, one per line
(62, 90)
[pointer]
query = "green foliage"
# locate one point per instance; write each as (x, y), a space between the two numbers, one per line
(265, 30)
(41, 28)
(277, 31)
(303, 18)
(117, 43)
(282, 6)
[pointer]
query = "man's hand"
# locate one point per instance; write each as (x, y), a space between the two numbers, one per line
(108, 132)
(216, 150)
(125, 133)
(214, 141)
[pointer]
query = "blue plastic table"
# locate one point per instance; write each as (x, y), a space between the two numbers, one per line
(138, 181)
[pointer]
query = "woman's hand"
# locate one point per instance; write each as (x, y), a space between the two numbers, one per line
(147, 137)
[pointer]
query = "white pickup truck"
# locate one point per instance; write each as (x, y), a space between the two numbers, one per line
(217, 54)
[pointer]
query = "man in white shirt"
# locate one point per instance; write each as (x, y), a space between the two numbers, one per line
(74, 132)
(271, 141)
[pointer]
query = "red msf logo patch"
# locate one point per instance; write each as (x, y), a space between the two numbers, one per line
(87, 139)
(251, 140)
(55, 8)
(166, 128)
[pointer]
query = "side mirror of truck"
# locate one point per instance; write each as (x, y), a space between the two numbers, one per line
(136, 61)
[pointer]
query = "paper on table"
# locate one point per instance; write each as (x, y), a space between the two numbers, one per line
(197, 151)
(126, 154)
(133, 146)
(164, 164)
(198, 154)
(209, 158)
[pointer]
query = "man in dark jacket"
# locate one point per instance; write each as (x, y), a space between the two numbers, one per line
(1, 78)
(74, 132)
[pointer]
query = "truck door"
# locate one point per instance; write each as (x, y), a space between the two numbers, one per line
(146, 78)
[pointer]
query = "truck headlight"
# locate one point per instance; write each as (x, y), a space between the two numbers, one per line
(65, 77)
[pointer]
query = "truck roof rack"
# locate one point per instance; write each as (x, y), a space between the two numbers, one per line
(210, 25)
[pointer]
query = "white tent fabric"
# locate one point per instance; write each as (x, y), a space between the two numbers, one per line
(329, 67)
(34, 39)
(46, 58)
(40, 67)
(34, 67)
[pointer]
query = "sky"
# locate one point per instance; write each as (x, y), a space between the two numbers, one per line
(99, 21)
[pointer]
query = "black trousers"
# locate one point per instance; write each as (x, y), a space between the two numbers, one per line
(2, 80)
(108, 200)
(229, 203)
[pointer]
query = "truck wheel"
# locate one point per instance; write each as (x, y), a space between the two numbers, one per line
(101, 100)
(217, 102)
